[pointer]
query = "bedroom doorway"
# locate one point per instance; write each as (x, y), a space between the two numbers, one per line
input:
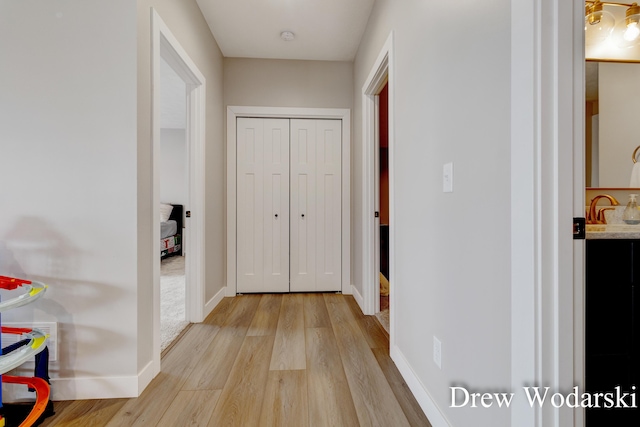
(178, 102)
(174, 196)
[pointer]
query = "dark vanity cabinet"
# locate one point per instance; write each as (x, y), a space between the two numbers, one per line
(612, 326)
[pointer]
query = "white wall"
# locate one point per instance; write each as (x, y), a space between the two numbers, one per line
(68, 170)
(452, 251)
(173, 167)
(619, 104)
(76, 167)
(288, 83)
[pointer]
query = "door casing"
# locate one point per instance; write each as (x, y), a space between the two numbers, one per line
(233, 112)
(164, 45)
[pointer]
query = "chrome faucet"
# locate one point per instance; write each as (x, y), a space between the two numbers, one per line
(597, 217)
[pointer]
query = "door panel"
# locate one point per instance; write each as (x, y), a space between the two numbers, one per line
(263, 205)
(316, 205)
(328, 200)
(303, 209)
(276, 210)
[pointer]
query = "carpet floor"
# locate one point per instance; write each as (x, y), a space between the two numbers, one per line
(172, 299)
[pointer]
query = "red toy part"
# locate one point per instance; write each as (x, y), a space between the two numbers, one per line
(42, 396)
(15, 331)
(11, 283)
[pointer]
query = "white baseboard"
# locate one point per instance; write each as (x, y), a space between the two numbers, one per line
(89, 388)
(358, 297)
(430, 409)
(213, 302)
(146, 375)
(86, 388)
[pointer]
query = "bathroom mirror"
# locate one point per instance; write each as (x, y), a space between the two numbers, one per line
(612, 122)
(612, 75)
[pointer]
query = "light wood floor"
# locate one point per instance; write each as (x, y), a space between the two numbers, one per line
(268, 360)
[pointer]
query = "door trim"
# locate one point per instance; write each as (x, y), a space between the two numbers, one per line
(164, 45)
(381, 72)
(546, 286)
(233, 112)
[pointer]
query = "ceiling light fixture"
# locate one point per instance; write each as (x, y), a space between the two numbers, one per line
(287, 36)
(599, 24)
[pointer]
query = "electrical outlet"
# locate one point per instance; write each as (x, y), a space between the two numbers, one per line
(437, 352)
(447, 178)
(49, 328)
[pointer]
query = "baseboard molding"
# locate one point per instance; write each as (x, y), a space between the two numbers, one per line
(213, 302)
(92, 388)
(145, 376)
(418, 389)
(358, 297)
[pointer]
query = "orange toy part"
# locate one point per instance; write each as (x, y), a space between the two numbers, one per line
(42, 396)
(11, 283)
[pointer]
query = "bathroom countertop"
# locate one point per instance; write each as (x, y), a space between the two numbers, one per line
(594, 235)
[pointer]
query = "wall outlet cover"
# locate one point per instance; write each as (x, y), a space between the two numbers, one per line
(437, 352)
(447, 178)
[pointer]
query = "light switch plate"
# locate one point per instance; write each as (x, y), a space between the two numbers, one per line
(447, 178)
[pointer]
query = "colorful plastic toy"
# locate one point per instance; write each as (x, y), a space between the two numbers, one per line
(33, 343)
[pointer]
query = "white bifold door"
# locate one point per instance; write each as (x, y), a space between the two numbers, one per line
(289, 205)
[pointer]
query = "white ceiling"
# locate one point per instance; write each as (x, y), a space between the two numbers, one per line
(328, 30)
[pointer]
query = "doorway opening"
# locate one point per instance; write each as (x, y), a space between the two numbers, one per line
(377, 213)
(174, 196)
(184, 184)
(382, 205)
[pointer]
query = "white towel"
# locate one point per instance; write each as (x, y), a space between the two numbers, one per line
(635, 176)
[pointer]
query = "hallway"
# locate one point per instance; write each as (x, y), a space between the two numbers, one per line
(273, 359)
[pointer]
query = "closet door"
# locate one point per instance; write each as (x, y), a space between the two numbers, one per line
(263, 205)
(316, 197)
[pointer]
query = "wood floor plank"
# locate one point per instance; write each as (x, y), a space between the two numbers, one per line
(371, 328)
(83, 413)
(190, 408)
(60, 408)
(214, 367)
(147, 409)
(285, 404)
(240, 403)
(243, 310)
(401, 390)
(198, 338)
(330, 402)
(367, 382)
(315, 312)
(219, 314)
(265, 321)
(289, 347)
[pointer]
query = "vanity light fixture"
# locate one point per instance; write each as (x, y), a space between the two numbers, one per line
(630, 28)
(599, 24)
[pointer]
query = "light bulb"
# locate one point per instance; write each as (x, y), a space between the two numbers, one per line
(627, 32)
(632, 32)
(598, 26)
